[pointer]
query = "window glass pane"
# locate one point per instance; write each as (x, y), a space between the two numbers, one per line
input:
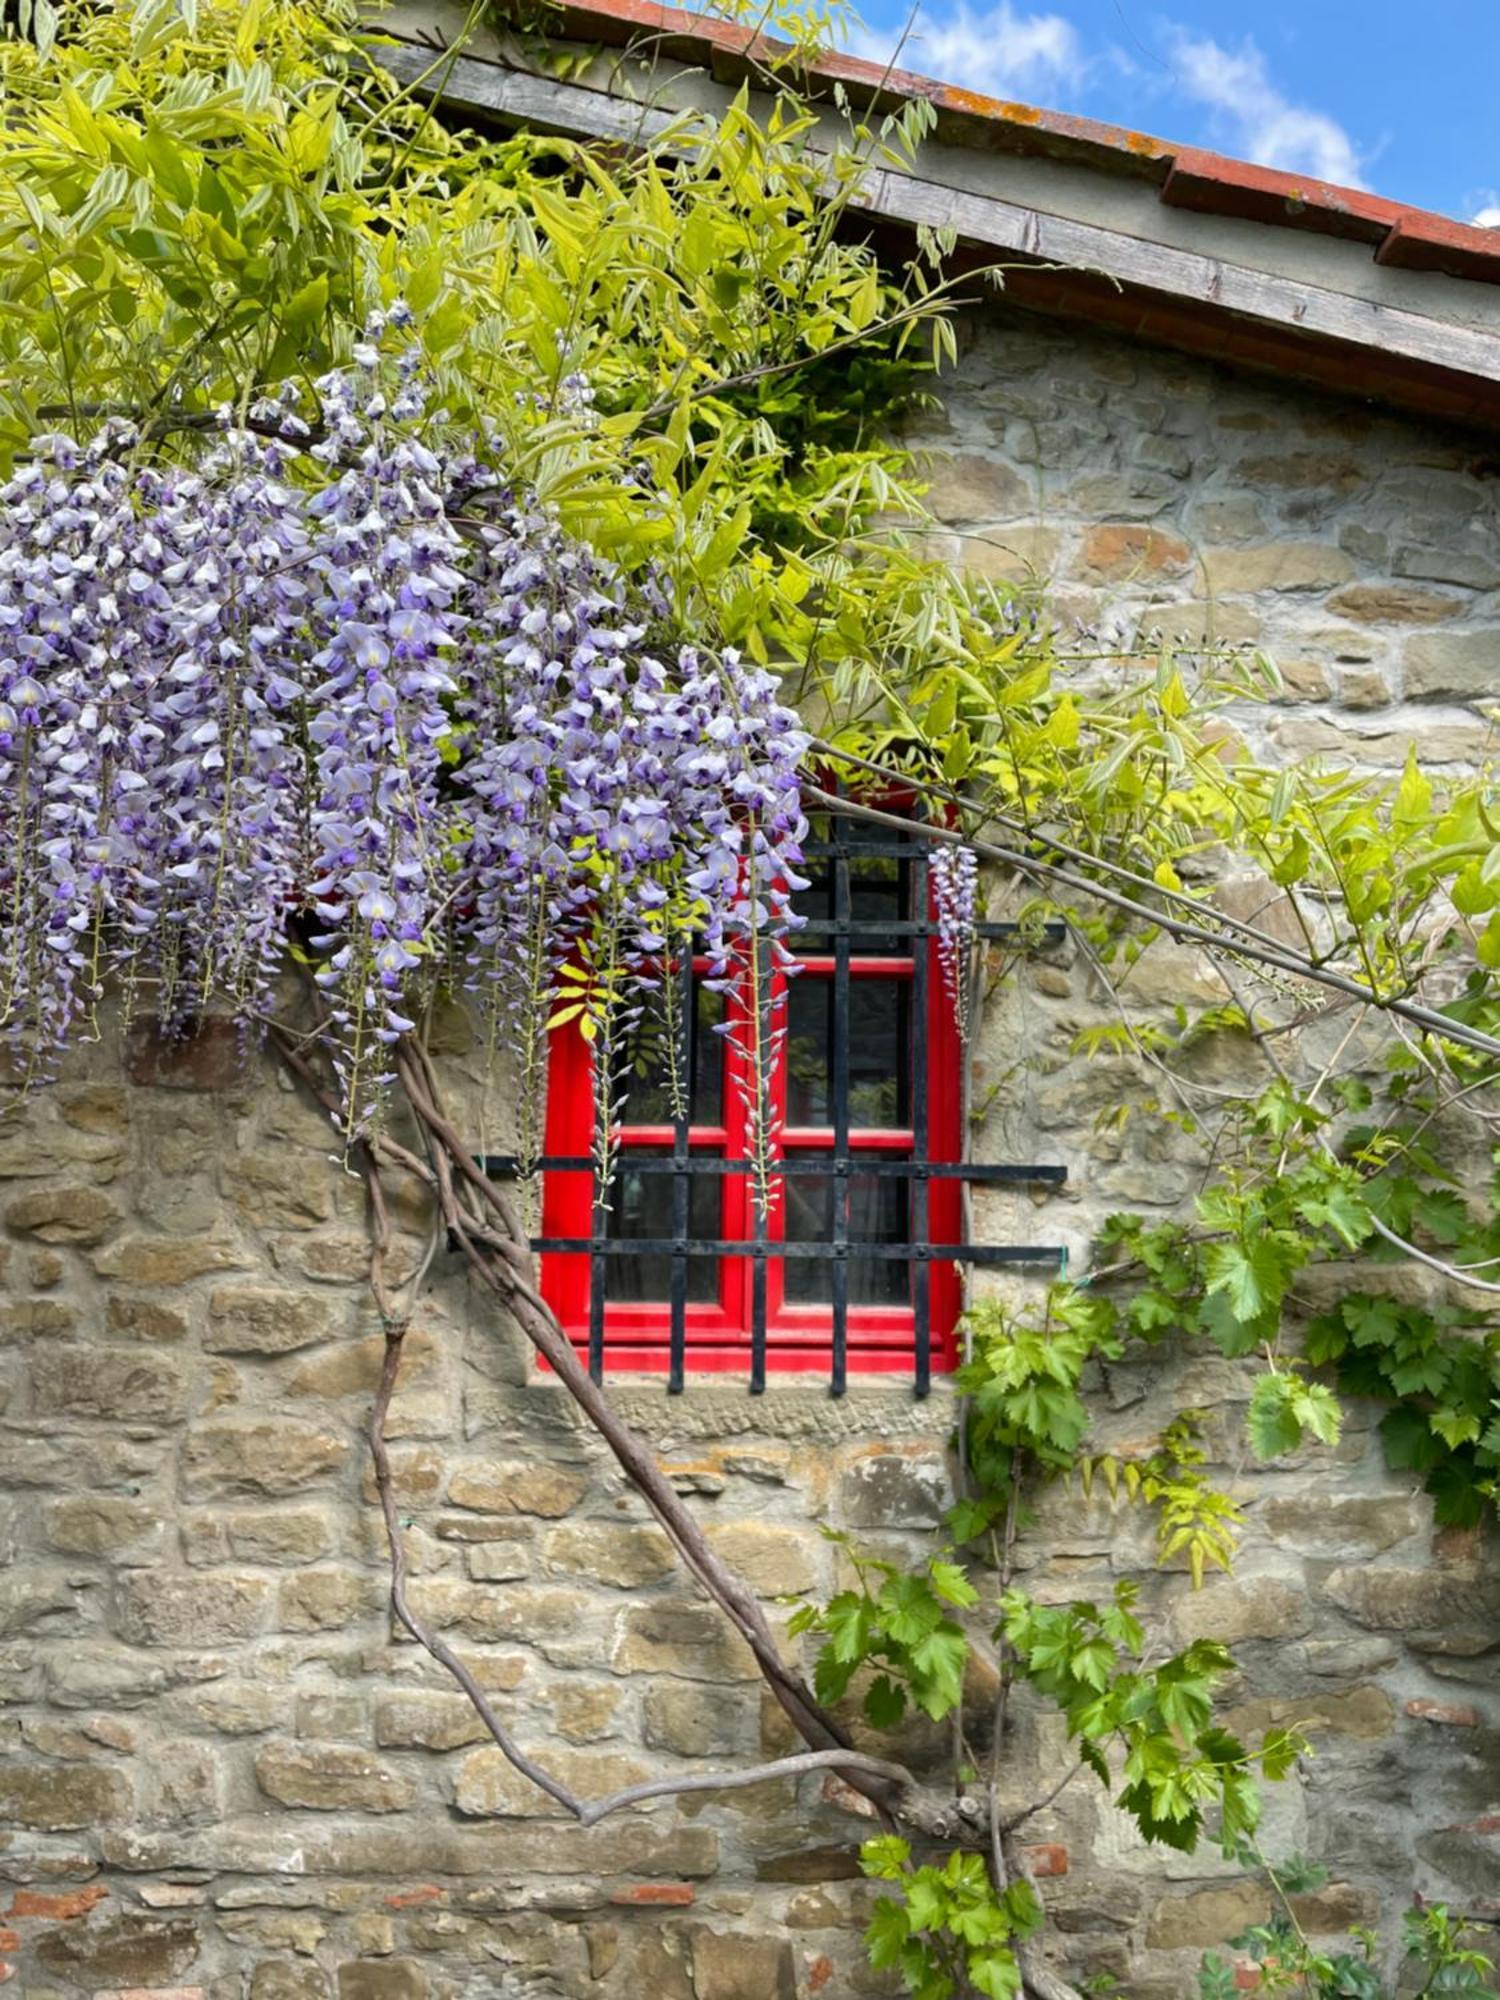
(647, 1098)
(879, 1209)
(879, 1052)
(641, 1205)
(879, 893)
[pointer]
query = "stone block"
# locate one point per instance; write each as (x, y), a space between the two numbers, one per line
(488, 1786)
(46, 1268)
(1363, 688)
(969, 487)
(427, 1721)
(1337, 1907)
(497, 1561)
(382, 1979)
(331, 1717)
(36, 1597)
(1329, 1524)
(687, 1639)
(263, 1319)
(165, 1260)
(330, 1777)
(132, 1951)
(585, 1711)
(537, 1617)
(1366, 1714)
(1304, 471)
(1444, 561)
(81, 1215)
(30, 1151)
(236, 1708)
(33, 1319)
(282, 1537)
(623, 1555)
(1200, 622)
(491, 1486)
(1394, 604)
(1453, 666)
(1383, 750)
(206, 1608)
(1417, 1601)
(95, 1107)
(326, 1600)
(417, 1475)
(144, 1319)
(1207, 1918)
(112, 1384)
(352, 1368)
(1275, 566)
(288, 1979)
(276, 1190)
(1262, 1607)
(811, 1864)
(88, 1524)
(86, 1675)
(62, 1798)
(182, 1785)
(691, 1721)
(889, 1486)
(775, 1560)
(743, 1965)
(1012, 552)
(223, 1460)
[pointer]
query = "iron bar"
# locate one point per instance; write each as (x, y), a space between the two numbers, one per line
(507, 1166)
(737, 1246)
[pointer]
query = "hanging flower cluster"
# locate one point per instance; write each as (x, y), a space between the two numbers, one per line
(954, 871)
(335, 683)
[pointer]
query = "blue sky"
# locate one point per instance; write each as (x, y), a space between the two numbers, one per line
(1368, 92)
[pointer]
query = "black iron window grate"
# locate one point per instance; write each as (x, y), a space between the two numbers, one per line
(838, 924)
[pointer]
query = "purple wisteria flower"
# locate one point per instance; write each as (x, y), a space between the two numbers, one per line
(362, 692)
(954, 872)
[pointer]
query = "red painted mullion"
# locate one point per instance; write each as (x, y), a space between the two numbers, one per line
(821, 965)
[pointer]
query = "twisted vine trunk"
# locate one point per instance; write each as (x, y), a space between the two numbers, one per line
(482, 1219)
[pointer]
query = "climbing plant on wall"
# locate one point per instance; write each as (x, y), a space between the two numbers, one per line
(420, 557)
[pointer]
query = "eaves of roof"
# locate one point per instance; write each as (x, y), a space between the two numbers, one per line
(1186, 176)
(1317, 284)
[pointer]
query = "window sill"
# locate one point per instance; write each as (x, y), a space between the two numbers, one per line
(793, 1406)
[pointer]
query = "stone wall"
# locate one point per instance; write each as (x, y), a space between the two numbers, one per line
(224, 1774)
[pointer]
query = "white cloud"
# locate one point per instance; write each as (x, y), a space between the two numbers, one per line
(1487, 212)
(998, 51)
(1006, 52)
(1259, 121)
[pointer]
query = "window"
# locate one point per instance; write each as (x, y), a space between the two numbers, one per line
(841, 1275)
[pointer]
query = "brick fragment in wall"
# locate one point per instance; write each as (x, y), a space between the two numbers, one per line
(212, 1059)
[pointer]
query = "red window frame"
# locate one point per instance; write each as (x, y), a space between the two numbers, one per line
(881, 1339)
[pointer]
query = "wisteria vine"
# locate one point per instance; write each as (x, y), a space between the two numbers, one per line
(335, 685)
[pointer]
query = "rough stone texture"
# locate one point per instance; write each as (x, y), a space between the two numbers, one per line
(227, 1774)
